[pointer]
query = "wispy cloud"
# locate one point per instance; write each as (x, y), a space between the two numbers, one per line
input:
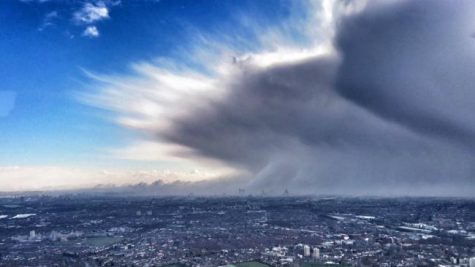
(328, 112)
(91, 31)
(91, 13)
(48, 20)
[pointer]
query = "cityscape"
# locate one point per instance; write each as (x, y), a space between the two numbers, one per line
(81, 230)
(237, 133)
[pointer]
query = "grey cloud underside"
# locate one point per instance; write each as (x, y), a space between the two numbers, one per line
(413, 65)
(392, 114)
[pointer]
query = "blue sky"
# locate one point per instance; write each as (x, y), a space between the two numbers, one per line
(315, 96)
(55, 54)
(43, 52)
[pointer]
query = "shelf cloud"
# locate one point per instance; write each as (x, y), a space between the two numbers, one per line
(379, 100)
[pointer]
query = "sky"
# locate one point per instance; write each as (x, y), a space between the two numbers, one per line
(361, 97)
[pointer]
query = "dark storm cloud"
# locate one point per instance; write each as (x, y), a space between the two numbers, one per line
(390, 112)
(413, 64)
(391, 115)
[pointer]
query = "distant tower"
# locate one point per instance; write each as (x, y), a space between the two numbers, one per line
(54, 236)
(241, 191)
(306, 250)
(286, 192)
(316, 253)
(32, 234)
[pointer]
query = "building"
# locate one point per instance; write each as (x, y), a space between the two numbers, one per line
(472, 262)
(316, 253)
(306, 250)
(32, 234)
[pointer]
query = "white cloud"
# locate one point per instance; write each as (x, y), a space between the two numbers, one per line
(272, 109)
(24, 178)
(91, 13)
(171, 155)
(48, 20)
(155, 96)
(91, 31)
(52, 14)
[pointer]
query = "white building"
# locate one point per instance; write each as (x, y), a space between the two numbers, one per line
(306, 250)
(32, 234)
(472, 262)
(316, 253)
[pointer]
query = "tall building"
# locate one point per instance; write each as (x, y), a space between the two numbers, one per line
(472, 262)
(32, 234)
(286, 192)
(316, 253)
(306, 250)
(54, 236)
